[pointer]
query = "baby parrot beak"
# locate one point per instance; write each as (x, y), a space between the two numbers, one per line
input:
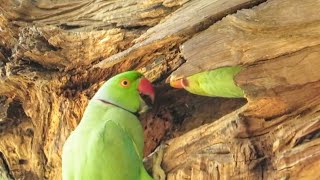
(179, 83)
(146, 88)
(176, 83)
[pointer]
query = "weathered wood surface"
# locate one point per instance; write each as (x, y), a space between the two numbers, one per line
(55, 54)
(275, 136)
(251, 35)
(166, 37)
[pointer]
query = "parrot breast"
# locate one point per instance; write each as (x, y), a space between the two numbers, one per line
(107, 144)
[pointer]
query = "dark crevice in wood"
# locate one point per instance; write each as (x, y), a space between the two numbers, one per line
(15, 110)
(65, 26)
(4, 105)
(32, 66)
(7, 53)
(133, 27)
(14, 115)
(307, 138)
(176, 112)
(45, 45)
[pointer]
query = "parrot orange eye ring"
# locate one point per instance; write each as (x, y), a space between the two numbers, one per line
(125, 83)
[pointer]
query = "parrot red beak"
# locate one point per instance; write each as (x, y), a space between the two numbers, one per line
(146, 88)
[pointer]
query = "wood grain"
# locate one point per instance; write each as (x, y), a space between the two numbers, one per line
(54, 55)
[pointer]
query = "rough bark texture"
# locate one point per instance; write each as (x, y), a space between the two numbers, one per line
(54, 55)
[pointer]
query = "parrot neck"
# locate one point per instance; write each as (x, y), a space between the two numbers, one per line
(106, 102)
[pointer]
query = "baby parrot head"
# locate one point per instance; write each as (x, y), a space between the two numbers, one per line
(125, 90)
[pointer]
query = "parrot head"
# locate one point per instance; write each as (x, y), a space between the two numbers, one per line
(126, 90)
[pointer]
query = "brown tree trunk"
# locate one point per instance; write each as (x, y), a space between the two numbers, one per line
(54, 55)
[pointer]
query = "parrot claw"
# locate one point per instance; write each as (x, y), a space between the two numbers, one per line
(152, 162)
(157, 156)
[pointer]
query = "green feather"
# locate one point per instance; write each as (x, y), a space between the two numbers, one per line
(218, 82)
(108, 143)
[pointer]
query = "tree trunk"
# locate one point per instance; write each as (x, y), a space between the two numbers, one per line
(54, 55)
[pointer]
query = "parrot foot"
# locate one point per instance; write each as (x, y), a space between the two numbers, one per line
(157, 156)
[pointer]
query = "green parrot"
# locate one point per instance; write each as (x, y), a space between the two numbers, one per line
(108, 142)
(218, 82)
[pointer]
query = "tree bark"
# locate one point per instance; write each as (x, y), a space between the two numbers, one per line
(54, 55)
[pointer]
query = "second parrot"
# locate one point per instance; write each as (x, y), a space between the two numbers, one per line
(218, 82)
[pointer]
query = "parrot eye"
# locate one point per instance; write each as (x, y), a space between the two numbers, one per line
(125, 83)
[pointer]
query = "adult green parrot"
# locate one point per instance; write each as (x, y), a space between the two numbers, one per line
(218, 82)
(108, 142)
